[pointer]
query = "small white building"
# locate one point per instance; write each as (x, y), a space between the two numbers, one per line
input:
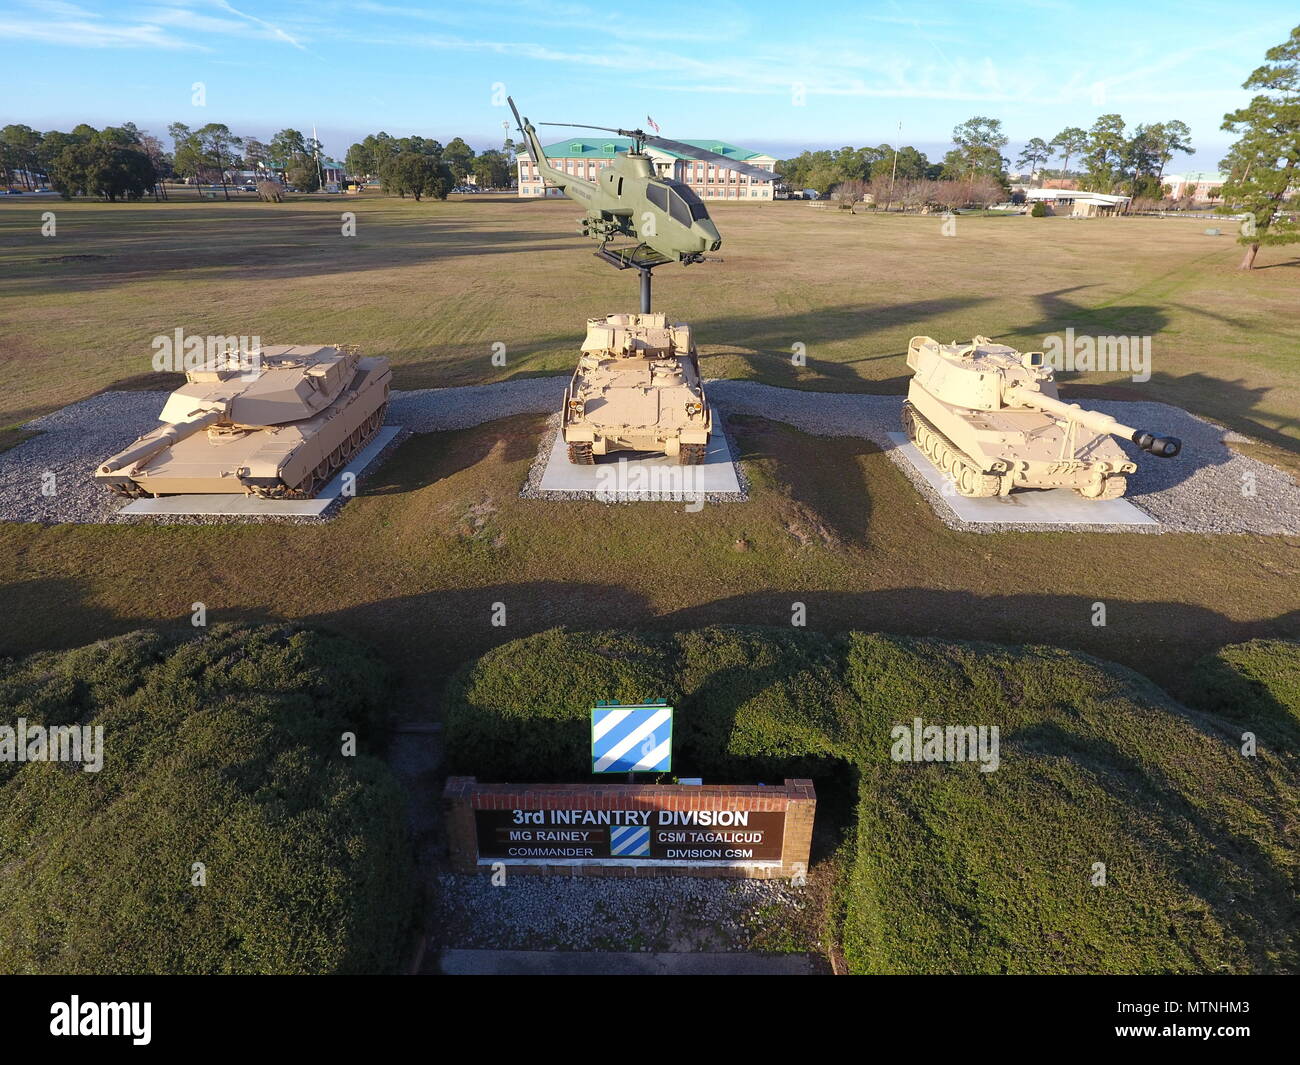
(1081, 204)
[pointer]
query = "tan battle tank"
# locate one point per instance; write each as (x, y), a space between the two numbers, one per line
(989, 416)
(278, 424)
(637, 388)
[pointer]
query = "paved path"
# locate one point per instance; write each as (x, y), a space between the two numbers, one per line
(600, 963)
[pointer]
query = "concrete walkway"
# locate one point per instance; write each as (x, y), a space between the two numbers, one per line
(600, 963)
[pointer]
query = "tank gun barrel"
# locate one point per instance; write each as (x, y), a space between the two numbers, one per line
(140, 453)
(1165, 447)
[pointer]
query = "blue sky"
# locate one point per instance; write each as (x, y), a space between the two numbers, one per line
(770, 76)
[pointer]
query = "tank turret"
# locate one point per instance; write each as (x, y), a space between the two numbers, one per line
(990, 417)
(278, 423)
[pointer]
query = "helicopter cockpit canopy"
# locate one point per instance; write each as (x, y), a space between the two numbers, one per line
(677, 199)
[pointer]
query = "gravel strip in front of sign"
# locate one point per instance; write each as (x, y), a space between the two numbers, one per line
(669, 913)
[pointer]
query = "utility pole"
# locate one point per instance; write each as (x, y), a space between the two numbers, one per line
(315, 143)
(893, 173)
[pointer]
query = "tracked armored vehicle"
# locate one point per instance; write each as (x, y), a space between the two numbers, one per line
(637, 388)
(279, 424)
(990, 417)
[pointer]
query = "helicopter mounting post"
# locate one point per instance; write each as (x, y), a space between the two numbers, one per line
(641, 258)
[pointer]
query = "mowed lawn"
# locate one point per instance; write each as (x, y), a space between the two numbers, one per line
(434, 286)
(415, 565)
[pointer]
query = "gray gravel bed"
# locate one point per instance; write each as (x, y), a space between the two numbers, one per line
(1206, 489)
(431, 410)
(607, 913)
(72, 442)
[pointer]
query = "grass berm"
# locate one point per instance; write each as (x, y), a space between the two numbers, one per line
(945, 868)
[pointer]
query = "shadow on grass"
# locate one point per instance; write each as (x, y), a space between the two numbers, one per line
(113, 247)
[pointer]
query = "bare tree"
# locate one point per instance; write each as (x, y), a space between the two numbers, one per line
(848, 194)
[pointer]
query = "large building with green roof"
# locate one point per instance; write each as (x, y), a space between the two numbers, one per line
(583, 156)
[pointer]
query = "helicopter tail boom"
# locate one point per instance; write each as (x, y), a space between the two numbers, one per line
(580, 190)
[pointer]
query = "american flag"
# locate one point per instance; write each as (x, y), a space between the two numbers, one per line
(653, 124)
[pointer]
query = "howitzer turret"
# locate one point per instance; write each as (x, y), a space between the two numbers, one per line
(990, 417)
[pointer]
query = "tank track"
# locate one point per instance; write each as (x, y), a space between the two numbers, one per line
(947, 458)
(692, 454)
(580, 454)
(1113, 487)
(319, 477)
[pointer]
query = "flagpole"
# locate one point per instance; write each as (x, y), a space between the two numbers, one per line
(894, 171)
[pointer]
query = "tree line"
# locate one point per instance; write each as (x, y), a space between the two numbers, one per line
(115, 163)
(128, 163)
(1109, 158)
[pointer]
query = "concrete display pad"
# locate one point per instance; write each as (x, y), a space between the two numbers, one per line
(251, 506)
(629, 475)
(1055, 506)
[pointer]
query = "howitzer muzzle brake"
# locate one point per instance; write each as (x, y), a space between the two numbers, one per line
(1165, 447)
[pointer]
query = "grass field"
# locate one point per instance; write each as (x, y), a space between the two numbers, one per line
(414, 565)
(434, 285)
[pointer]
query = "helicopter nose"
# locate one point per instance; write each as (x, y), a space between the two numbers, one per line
(708, 234)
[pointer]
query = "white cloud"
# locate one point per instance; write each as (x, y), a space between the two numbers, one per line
(82, 33)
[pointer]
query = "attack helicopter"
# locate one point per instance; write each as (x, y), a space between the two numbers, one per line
(629, 199)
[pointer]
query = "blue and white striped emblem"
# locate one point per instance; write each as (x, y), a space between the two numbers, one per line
(629, 842)
(631, 739)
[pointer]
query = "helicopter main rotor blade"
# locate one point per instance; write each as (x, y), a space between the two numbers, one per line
(579, 125)
(707, 156)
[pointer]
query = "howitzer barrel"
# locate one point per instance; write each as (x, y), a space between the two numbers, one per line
(145, 450)
(1165, 447)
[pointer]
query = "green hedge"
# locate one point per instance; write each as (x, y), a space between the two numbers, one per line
(522, 710)
(225, 750)
(1255, 683)
(954, 870)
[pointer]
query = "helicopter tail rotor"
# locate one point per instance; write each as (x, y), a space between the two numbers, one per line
(519, 122)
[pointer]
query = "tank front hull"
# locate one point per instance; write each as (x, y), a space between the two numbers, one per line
(628, 415)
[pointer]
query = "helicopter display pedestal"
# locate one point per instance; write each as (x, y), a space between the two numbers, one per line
(1056, 506)
(624, 476)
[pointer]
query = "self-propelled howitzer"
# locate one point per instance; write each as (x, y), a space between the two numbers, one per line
(990, 417)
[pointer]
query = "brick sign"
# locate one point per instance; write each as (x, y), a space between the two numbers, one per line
(706, 830)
